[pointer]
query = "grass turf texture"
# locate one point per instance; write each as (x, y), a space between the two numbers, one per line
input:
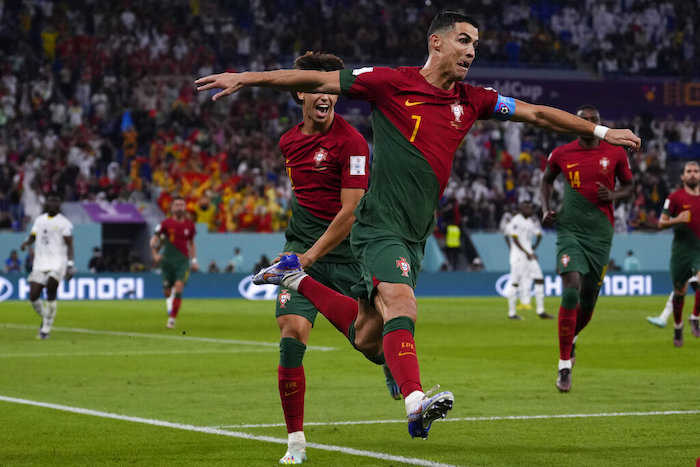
(494, 366)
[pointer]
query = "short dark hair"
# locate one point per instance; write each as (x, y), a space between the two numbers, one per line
(447, 19)
(318, 61)
(53, 194)
(178, 197)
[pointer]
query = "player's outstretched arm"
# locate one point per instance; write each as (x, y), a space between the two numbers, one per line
(560, 121)
(289, 80)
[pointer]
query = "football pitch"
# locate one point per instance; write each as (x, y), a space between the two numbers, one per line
(113, 386)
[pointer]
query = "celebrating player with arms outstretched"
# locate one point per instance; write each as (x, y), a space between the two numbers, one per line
(682, 212)
(420, 116)
(328, 163)
(584, 227)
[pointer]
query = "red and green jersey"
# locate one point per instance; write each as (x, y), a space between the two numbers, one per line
(417, 129)
(581, 211)
(686, 236)
(176, 237)
(319, 167)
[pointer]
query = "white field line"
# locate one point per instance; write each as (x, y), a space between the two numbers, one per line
(162, 336)
(127, 353)
(232, 434)
(480, 419)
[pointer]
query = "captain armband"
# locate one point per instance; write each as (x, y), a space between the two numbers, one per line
(504, 108)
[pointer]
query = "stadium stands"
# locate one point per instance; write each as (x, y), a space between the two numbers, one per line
(97, 100)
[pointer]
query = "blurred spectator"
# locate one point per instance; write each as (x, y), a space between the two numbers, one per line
(96, 263)
(13, 265)
(213, 267)
(264, 261)
(631, 262)
(613, 266)
(236, 263)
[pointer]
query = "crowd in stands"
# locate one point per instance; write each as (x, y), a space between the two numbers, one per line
(97, 100)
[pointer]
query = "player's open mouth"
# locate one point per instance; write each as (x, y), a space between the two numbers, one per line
(322, 110)
(464, 65)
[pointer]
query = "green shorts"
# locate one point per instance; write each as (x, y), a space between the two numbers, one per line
(338, 276)
(588, 258)
(173, 271)
(385, 257)
(683, 267)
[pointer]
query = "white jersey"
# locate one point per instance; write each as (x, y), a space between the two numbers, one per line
(524, 229)
(50, 250)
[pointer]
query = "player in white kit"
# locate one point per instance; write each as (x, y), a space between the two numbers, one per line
(52, 235)
(524, 267)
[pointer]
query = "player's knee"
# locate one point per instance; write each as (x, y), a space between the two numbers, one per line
(291, 352)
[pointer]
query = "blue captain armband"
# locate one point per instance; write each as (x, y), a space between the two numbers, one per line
(504, 109)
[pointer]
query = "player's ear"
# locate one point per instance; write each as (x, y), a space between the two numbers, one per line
(435, 42)
(300, 97)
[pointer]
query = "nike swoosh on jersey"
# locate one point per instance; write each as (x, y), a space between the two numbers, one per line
(568, 166)
(408, 103)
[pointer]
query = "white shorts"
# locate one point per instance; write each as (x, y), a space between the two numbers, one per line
(42, 277)
(521, 270)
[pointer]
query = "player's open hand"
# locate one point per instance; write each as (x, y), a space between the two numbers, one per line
(156, 259)
(604, 193)
(549, 218)
(227, 82)
(623, 137)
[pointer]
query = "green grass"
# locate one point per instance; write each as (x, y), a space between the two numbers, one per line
(495, 367)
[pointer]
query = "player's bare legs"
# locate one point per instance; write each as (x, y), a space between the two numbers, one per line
(368, 329)
(294, 335)
(568, 312)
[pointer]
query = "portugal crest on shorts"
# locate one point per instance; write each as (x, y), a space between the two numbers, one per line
(565, 260)
(284, 297)
(403, 266)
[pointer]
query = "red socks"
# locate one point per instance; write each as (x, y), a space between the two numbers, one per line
(177, 301)
(292, 387)
(339, 309)
(696, 308)
(678, 307)
(567, 331)
(400, 354)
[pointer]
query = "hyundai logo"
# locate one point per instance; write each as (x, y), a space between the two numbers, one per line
(6, 289)
(256, 292)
